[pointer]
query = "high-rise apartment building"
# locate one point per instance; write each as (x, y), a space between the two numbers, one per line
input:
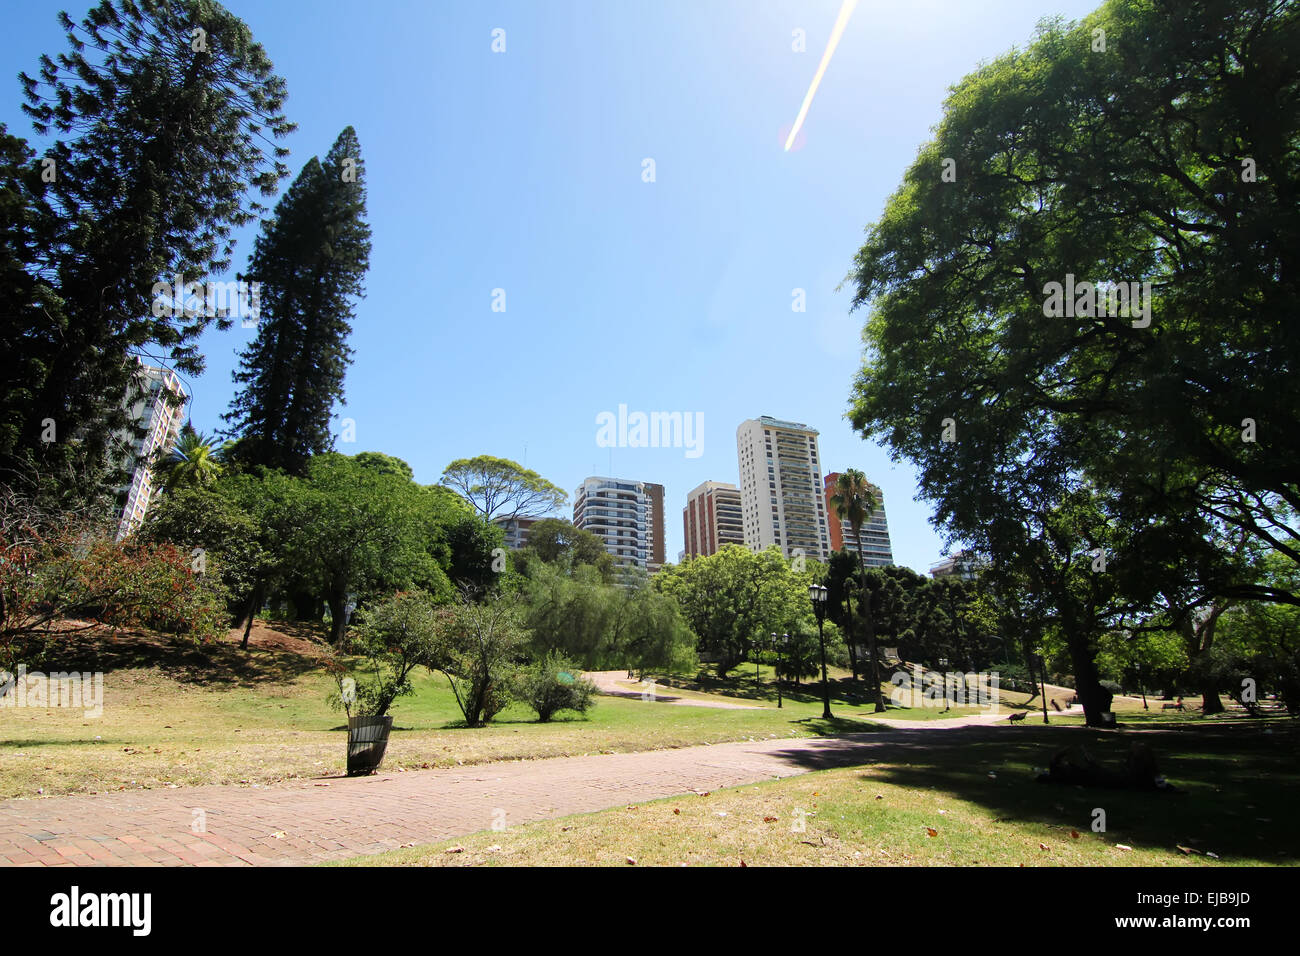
(781, 494)
(627, 515)
(962, 564)
(516, 530)
(712, 518)
(876, 549)
(159, 412)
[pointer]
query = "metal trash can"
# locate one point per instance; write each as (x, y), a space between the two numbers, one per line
(367, 741)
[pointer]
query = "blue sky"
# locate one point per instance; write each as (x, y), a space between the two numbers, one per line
(522, 171)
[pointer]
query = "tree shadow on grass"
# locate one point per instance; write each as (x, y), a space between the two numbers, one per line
(1237, 783)
(181, 658)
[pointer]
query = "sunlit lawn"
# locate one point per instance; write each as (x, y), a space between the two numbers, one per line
(178, 716)
(949, 804)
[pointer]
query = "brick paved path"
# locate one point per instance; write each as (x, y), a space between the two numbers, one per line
(337, 817)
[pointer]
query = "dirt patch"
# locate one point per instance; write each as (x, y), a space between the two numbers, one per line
(276, 651)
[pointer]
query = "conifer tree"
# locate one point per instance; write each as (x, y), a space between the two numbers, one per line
(161, 113)
(311, 260)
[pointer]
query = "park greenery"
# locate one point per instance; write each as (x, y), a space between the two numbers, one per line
(1125, 479)
(1126, 471)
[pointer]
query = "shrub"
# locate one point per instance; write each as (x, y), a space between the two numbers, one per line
(477, 650)
(56, 568)
(552, 684)
(394, 636)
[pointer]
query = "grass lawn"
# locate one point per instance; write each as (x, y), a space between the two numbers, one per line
(180, 715)
(964, 804)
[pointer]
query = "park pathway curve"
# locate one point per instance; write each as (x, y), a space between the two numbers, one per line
(334, 818)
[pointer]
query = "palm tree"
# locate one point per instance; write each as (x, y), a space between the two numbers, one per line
(855, 501)
(192, 462)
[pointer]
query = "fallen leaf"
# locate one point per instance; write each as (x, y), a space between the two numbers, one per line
(1044, 846)
(931, 831)
(742, 863)
(1074, 834)
(675, 810)
(879, 797)
(1187, 850)
(769, 819)
(455, 849)
(632, 860)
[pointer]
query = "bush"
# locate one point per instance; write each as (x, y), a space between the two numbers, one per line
(480, 642)
(55, 568)
(553, 684)
(394, 637)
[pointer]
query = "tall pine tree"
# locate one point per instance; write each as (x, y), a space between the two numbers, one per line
(311, 260)
(161, 112)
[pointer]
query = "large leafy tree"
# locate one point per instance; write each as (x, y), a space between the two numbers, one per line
(360, 532)
(1163, 153)
(734, 599)
(501, 488)
(311, 260)
(163, 116)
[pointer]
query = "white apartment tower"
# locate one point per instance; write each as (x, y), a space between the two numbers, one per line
(627, 515)
(781, 490)
(158, 411)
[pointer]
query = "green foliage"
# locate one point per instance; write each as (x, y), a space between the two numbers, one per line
(501, 488)
(604, 626)
(472, 543)
(735, 598)
(69, 568)
(481, 643)
(194, 462)
(557, 541)
(228, 539)
(311, 260)
(1256, 653)
(386, 464)
(395, 636)
(1077, 432)
(144, 123)
(552, 684)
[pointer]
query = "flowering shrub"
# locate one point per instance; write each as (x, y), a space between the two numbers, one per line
(56, 569)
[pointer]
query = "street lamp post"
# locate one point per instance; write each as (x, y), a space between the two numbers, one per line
(1042, 665)
(819, 595)
(779, 643)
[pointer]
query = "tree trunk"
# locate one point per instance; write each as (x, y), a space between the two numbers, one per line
(338, 619)
(1087, 684)
(853, 640)
(306, 606)
(254, 603)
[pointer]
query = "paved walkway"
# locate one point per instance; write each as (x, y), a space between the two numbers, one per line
(617, 684)
(338, 817)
